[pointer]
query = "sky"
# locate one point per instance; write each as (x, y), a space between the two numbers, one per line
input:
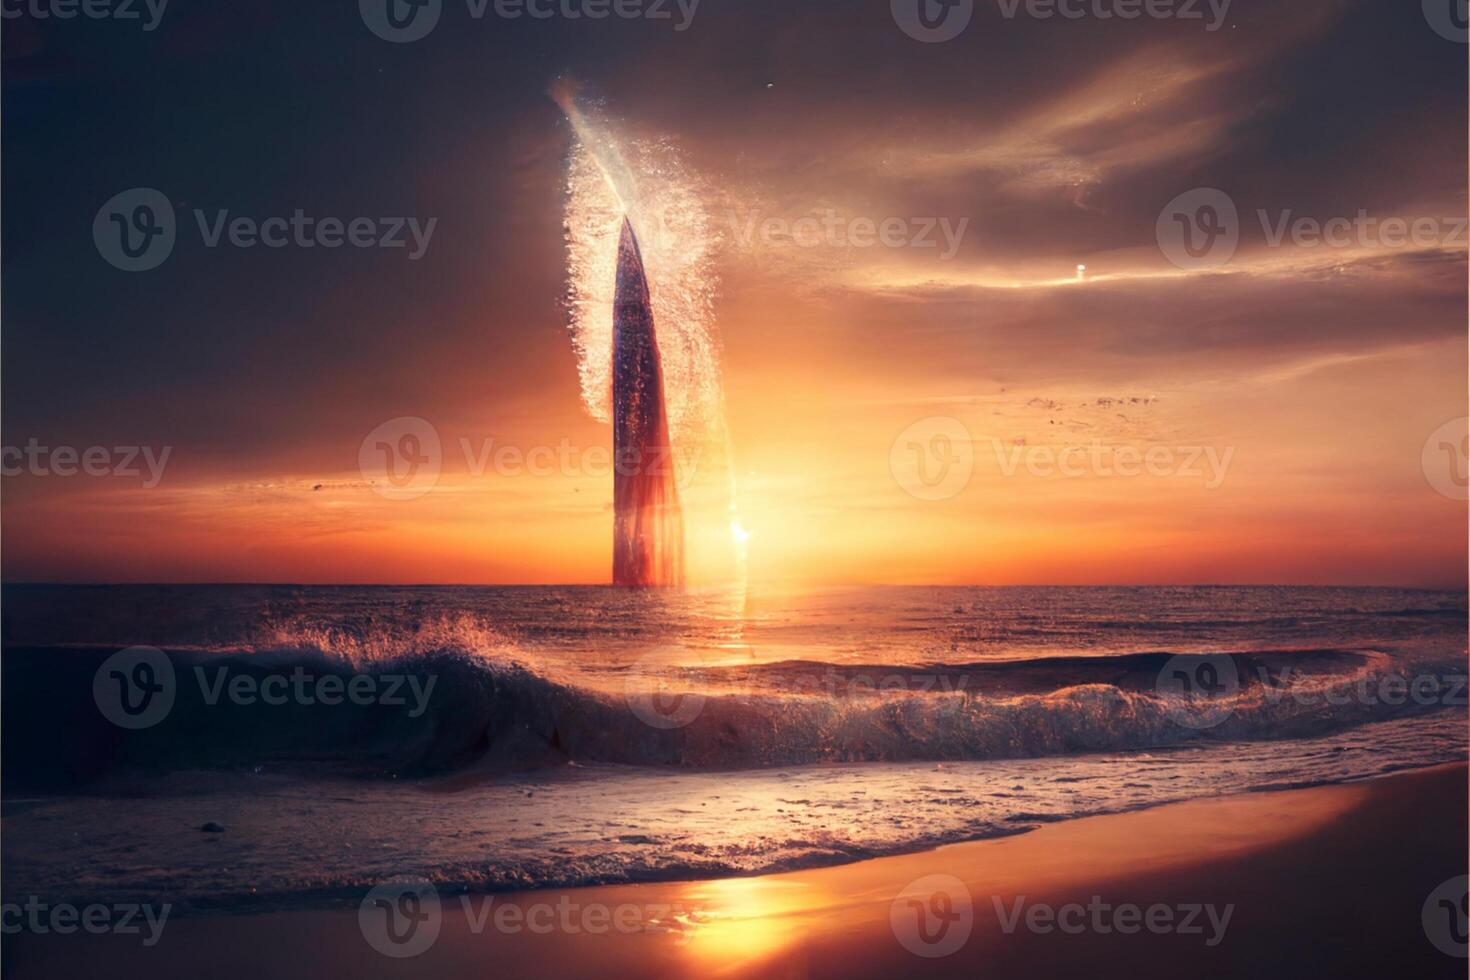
(919, 382)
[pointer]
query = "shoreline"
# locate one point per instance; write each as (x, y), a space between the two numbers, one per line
(1377, 846)
(331, 840)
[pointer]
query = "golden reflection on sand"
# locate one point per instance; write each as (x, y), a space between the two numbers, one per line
(739, 922)
(745, 925)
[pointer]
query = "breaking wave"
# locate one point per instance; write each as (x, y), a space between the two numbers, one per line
(437, 706)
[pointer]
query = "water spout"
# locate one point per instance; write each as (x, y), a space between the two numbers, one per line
(648, 523)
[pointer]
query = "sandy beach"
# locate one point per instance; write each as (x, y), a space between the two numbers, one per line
(1321, 881)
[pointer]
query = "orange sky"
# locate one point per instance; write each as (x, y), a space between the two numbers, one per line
(1318, 373)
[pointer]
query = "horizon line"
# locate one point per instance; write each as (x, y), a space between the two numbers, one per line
(723, 586)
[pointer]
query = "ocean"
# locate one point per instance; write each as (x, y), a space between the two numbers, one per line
(488, 738)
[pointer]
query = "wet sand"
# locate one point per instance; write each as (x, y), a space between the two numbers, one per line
(1326, 881)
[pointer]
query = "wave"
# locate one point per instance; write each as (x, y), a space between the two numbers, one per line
(329, 841)
(480, 709)
(1448, 612)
